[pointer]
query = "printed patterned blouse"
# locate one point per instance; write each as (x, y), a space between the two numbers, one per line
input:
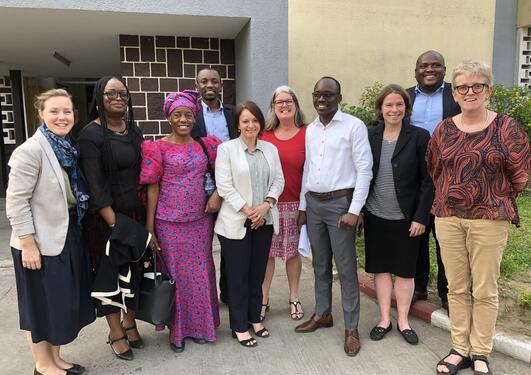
(479, 175)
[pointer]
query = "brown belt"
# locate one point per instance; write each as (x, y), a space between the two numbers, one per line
(331, 194)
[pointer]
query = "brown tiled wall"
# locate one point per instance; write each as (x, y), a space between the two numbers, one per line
(153, 66)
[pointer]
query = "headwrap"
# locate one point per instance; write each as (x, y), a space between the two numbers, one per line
(187, 98)
(67, 154)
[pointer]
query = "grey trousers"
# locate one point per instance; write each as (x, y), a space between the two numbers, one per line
(328, 240)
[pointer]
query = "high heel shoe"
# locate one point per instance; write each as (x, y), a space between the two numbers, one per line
(248, 343)
(137, 344)
(266, 305)
(127, 355)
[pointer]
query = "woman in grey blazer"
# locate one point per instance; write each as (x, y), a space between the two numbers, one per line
(45, 202)
(249, 179)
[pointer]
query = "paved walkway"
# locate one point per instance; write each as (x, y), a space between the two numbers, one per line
(285, 352)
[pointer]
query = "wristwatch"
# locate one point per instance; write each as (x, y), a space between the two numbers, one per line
(271, 204)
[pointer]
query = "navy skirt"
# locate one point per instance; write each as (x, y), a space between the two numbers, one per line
(388, 247)
(54, 303)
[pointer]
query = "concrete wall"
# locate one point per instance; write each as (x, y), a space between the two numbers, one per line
(360, 41)
(261, 47)
(524, 13)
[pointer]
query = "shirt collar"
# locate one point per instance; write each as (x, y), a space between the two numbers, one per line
(206, 108)
(338, 116)
(245, 148)
(419, 91)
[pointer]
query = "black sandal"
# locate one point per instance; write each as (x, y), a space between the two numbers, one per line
(453, 369)
(297, 315)
(248, 343)
(127, 355)
(266, 305)
(137, 344)
(483, 359)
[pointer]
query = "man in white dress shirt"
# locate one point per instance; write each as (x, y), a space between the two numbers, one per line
(337, 174)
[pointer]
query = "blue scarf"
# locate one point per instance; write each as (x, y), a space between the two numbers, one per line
(67, 155)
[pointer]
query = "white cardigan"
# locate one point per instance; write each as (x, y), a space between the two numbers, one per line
(233, 181)
(36, 196)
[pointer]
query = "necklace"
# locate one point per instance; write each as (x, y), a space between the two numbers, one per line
(484, 121)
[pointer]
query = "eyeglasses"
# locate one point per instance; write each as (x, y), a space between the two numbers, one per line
(326, 95)
(280, 103)
(477, 88)
(115, 94)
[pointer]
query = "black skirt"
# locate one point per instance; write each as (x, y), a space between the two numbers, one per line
(388, 247)
(54, 303)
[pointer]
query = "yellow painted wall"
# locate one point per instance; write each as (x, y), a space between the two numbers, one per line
(361, 41)
(524, 13)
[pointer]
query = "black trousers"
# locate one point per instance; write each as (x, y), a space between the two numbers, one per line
(223, 290)
(422, 274)
(245, 266)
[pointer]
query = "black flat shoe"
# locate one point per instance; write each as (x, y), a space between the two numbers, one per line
(378, 333)
(68, 371)
(76, 369)
(137, 344)
(248, 343)
(409, 335)
(199, 341)
(127, 355)
(177, 348)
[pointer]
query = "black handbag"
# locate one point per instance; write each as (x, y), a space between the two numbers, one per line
(157, 294)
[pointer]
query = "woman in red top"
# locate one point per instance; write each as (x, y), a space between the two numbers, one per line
(285, 129)
(479, 162)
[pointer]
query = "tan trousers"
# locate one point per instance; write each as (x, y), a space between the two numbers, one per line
(471, 251)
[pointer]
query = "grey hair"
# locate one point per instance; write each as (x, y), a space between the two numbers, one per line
(272, 121)
(473, 68)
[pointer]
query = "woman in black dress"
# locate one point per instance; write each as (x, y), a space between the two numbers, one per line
(110, 159)
(397, 209)
(45, 201)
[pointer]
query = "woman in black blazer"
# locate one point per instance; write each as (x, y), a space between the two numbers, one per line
(398, 207)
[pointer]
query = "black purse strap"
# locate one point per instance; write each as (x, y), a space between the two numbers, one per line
(203, 146)
(157, 254)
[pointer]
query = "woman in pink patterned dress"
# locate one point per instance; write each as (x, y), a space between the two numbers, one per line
(285, 129)
(179, 215)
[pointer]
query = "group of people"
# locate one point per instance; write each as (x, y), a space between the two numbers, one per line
(84, 211)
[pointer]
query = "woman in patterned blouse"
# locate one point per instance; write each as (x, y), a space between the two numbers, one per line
(479, 162)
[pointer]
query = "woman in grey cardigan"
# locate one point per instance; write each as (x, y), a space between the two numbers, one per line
(45, 202)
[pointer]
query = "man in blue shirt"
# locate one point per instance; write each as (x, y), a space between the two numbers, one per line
(432, 102)
(215, 118)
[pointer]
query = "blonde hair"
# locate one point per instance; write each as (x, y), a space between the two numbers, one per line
(44, 96)
(473, 68)
(272, 121)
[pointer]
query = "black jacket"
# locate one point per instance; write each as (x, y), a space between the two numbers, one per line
(413, 185)
(115, 283)
(450, 107)
(199, 129)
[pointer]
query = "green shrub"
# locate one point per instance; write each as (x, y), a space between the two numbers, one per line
(365, 110)
(524, 299)
(513, 101)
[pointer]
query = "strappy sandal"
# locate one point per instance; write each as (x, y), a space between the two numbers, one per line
(483, 359)
(297, 315)
(266, 305)
(137, 344)
(453, 369)
(248, 343)
(127, 355)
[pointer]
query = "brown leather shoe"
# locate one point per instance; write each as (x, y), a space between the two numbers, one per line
(352, 342)
(311, 325)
